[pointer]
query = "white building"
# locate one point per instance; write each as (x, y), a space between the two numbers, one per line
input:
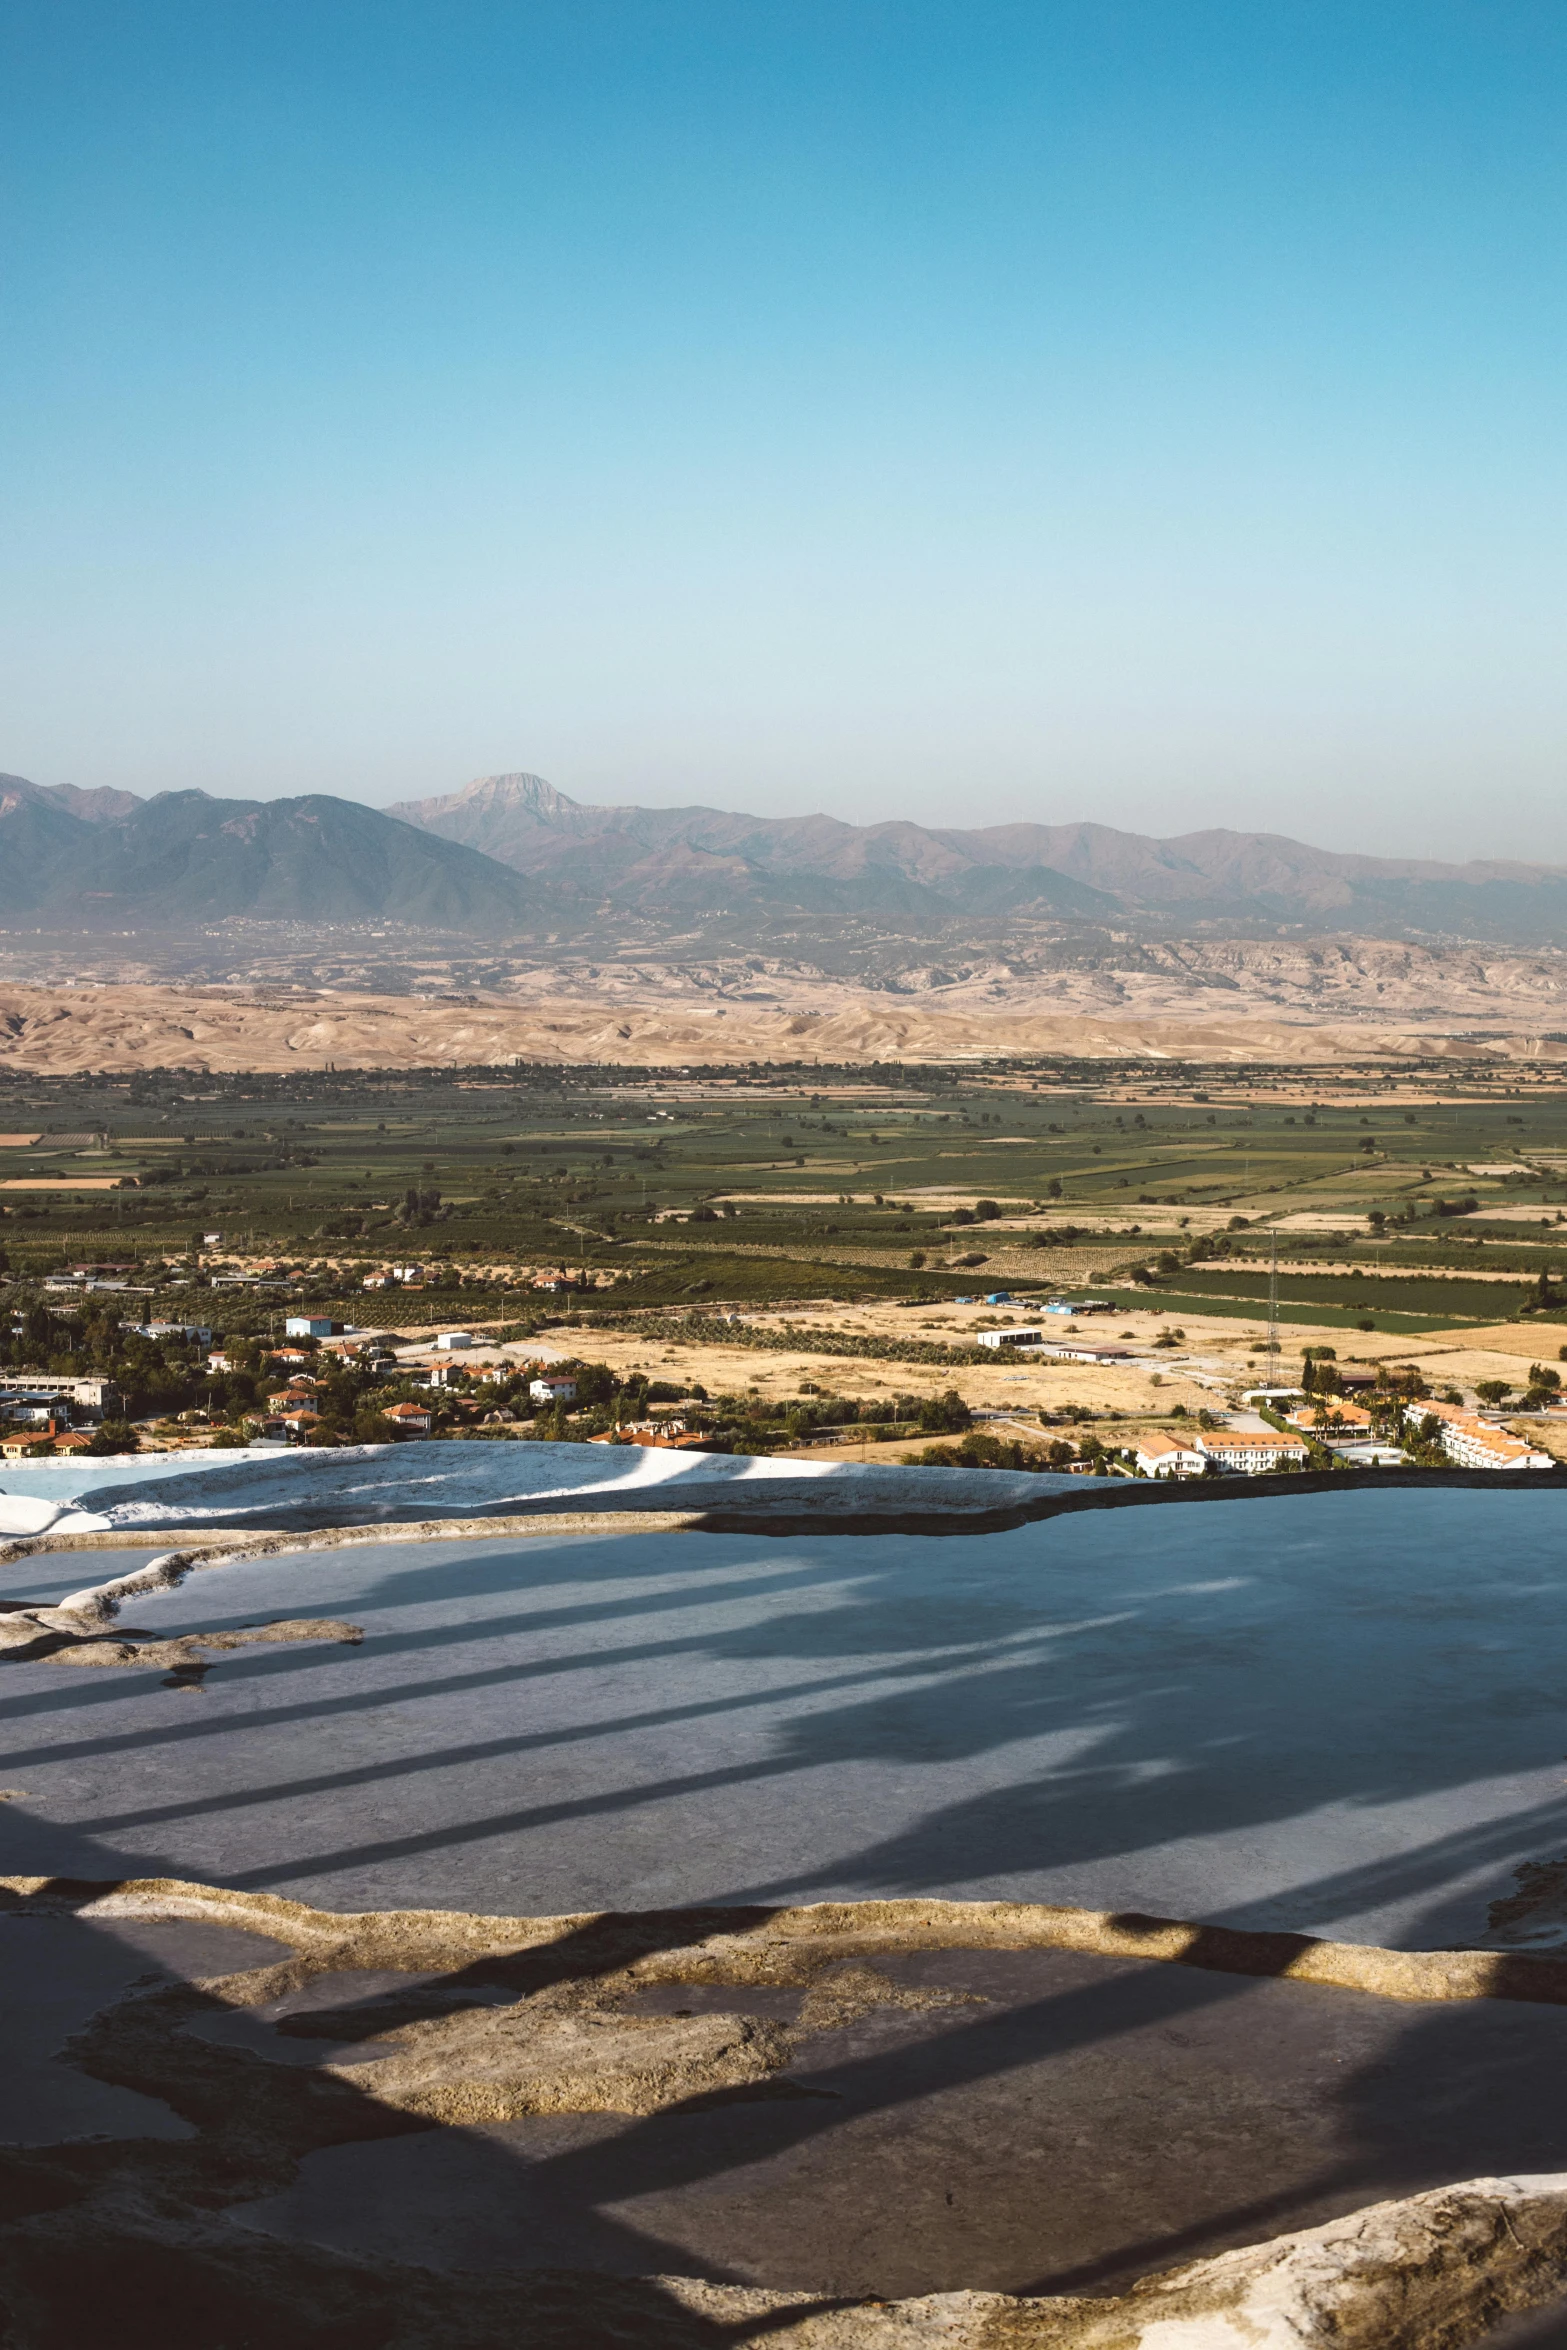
(553, 1390)
(450, 1339)
(1166, 1456)
(1254, 1451)
(1474, 1443)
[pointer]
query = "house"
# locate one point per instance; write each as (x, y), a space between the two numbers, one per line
(311, 1326)
(553, 1390)
(36, 1405)
(287, 1355)
(997, 1339)
(651, 1440)
(26, 1440)
(198, 1332)
(409, 1419)
(1472, 1443)
(1330, 1416)
(291, 1398)
(1166, 1456)
(1253, 1451)
(300, 1424)
(73, 1441)
(449, 1340)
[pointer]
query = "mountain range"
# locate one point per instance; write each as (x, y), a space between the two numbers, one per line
(106, 860)
(509, 856)
(680, 862)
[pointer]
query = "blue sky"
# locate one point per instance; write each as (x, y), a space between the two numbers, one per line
(1146, 410)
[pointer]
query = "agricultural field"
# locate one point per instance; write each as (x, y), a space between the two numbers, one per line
(1412, 1203)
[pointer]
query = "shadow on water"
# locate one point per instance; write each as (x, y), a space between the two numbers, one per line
(581, 2215)
(1185, 1695)
(1044, 1707)
(128, 2238)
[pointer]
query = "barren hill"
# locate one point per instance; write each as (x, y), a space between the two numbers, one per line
(1229, 1003)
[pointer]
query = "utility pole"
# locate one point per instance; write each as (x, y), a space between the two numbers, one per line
(1273, 1310)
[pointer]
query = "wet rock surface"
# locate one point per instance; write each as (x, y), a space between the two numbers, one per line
(801, 2116)
(897, 2119)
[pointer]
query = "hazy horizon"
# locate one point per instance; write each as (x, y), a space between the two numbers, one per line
(970, 822)
(1050, 412)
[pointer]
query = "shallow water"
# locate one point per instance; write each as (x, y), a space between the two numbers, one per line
(1345, 1713)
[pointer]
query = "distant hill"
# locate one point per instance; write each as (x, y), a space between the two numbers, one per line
(186, 857)
(510, 855)
(670, 862)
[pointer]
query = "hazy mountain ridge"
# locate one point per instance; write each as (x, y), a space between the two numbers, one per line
(665, 860)
(186, 857)
(511, 857)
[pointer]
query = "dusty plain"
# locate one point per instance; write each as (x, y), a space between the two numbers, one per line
(1224, 1001)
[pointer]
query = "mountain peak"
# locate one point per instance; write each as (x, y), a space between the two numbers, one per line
(526, 794)
(505, 796)
(500, 808)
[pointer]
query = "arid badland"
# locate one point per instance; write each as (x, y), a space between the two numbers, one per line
(508, 923)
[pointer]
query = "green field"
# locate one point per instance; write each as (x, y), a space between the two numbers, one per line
(819, 1183)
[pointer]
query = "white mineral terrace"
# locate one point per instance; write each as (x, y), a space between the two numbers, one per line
(367, 1483)
(459, 1698)
(1339, 1713)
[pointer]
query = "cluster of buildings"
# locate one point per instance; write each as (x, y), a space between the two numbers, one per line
(1473, 1443)
(291, 1412)
(1060, 1350)
(1253, 1452)
(556, 1280)
(36, 1407)
(1346, 1428)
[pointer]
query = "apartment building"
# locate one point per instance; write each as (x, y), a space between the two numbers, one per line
(1253, 1451)
(88, 1398)
(1473, 1443)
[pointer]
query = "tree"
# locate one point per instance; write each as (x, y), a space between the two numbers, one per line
(945, 1413)
(1492, 1390)
(114, 1436)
